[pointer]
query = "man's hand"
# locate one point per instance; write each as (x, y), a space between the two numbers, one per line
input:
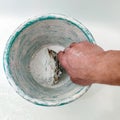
(87, 63)
(80, 60)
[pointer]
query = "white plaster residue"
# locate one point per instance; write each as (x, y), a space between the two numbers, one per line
(42, 66)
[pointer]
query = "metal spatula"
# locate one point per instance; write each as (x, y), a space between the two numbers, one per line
(58, 68)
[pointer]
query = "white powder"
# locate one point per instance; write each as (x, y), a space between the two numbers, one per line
(42, 66)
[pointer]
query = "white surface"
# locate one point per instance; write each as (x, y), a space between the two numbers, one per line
(102, 18)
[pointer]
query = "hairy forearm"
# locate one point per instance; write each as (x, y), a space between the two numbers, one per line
(108, 69)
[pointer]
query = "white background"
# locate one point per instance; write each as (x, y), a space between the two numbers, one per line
(102, 18)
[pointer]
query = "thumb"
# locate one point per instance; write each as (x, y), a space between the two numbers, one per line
(81, 81)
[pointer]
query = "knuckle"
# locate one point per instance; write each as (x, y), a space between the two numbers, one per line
(73, 44)
(67, 50)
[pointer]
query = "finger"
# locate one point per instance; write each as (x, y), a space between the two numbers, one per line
(62, 59)
(73, 44)
(80, 81)
(67, 49)
(60, 55)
